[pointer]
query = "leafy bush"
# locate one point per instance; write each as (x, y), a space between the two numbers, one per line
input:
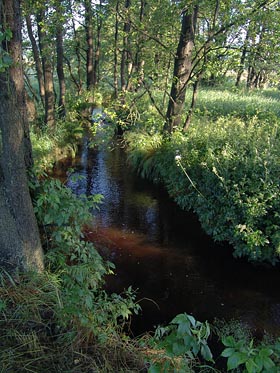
(260, 358)
(62, 216)
(180, 343)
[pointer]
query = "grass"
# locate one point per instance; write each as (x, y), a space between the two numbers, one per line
(33, 340)
(245, 104)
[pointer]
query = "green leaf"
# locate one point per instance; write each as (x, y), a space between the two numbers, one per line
(206, 353)
(235, 360)
(188, 340)
(228, 352)
(192, 320)
(251, 366)
(268, 363)
(229, 341)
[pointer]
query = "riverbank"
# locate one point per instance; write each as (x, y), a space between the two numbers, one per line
(226, 171)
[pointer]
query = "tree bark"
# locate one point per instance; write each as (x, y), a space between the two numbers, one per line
(182, 70)
(20, 247)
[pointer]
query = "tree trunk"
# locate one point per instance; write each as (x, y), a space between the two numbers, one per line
(77, 80)
(89, 39)
(125, 52)
(20, 247)
(139, 61)
(37, 60)
(98, 46)
(242, 59)
(116, 37)
(60, 71)
(182, 70)
(47, 63)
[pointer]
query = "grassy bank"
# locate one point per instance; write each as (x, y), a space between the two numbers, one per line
(225, 168)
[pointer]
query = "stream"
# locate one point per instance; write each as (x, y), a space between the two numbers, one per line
(162, 251)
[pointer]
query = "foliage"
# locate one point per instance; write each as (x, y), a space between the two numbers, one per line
(62, 216)
(261, 358)
(235, 328)
(227, 175)
(5, 59)
(33, 338)
(181, 342)
(224, 101)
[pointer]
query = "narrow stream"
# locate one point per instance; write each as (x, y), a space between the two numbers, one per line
(162, 251)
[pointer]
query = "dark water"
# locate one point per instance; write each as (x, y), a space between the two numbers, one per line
(162, 251)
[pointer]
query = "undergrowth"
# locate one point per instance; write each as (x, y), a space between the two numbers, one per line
(227, 172)
(34, 337)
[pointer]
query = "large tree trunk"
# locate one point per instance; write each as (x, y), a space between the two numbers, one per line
(182, 70)
(20, 247)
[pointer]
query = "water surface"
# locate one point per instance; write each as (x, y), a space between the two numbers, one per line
(162, 251)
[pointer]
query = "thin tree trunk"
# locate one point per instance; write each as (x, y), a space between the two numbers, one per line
(78, 81)
(89, 40)
(60, 71)
(139, 61)
(125, 52)
(203, 68)
(182, 70)
(116, 36)
(194, 97)
(36, 55)
(47, 63)
(98, 47)
(242, 59)
(20, 247)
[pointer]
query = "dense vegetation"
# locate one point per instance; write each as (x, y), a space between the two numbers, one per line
(193, 88)
(227, 169)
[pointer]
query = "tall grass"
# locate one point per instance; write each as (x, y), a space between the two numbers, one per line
(244, 104)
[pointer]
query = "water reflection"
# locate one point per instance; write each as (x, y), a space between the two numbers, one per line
(162, 251)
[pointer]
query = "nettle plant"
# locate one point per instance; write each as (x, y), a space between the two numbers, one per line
(62, 216)
(255, 359)
(182, 341)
